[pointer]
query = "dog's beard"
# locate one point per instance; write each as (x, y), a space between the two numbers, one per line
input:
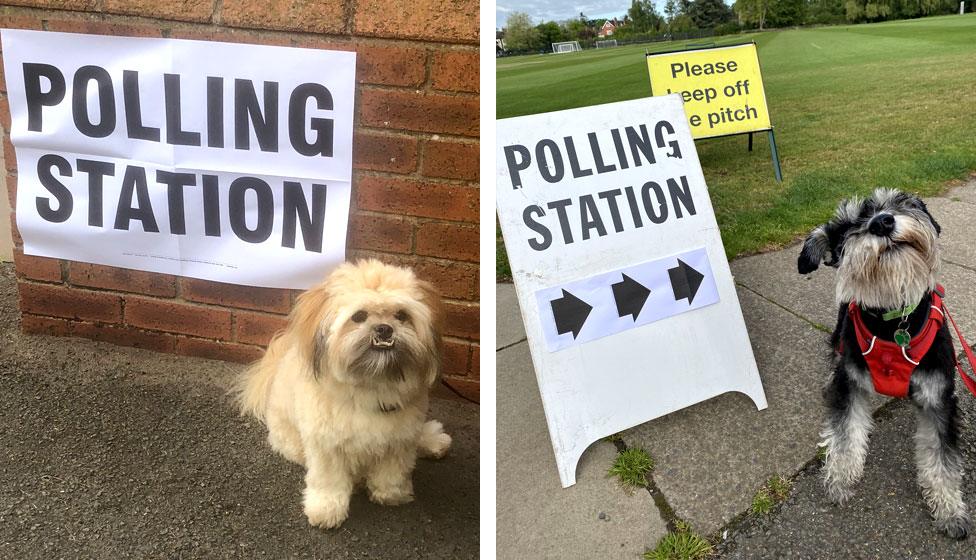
(378, 361)
(883, 273)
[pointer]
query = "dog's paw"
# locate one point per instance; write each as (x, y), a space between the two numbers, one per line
(434, 443)
(956, 527)
(839, 494)
(325, 511)
(391, 496)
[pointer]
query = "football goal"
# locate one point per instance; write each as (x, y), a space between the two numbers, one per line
(566, 46)
(606, 44)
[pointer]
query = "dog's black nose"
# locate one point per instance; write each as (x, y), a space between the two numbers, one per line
(882, 224)
(383, 331)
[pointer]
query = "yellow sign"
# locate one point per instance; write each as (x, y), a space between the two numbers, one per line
(722, 88)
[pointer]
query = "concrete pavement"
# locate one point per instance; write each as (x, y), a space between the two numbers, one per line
(712, 457)
(110, 452)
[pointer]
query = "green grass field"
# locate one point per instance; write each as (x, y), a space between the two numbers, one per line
(854, 107)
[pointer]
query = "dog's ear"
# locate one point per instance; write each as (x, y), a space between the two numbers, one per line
(432, 300)
(305, 327)
(815, 248)
(935, 224)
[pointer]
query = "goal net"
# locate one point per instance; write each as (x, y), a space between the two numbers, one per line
(566, 46)
(606, 44)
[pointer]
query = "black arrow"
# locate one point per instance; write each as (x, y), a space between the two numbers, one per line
(685, 281)
(630, 296)
(570, 313)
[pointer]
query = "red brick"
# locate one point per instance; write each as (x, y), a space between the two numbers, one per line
(182, 318)
(419, 111)
(3, 80)
(97, 25)
(417, 198)
(315, 16)
(380, 232)
(77, 5)
(124, 336)
(456, 71)
(12, 190)
(391, 66)
(475, 368)
(113, 334)
(5, 113)
(456, 357)
(258, 328)
(232, 295)
(452, 280)
(438, 20)
(462, 320)
(448, 241)
(383, 152)
(36, 324)
(9, 156)
(18, 21)
(451, 160)
(470, 389)
(209, 349)
(14, 231)
(184, 10)
(121, 279)
(37, 268)
(69, 303)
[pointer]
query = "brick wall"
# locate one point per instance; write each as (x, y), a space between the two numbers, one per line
(415, 189)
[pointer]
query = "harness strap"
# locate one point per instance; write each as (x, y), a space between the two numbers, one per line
(966, 379)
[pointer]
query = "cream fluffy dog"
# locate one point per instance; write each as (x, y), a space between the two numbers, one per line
(344, 388)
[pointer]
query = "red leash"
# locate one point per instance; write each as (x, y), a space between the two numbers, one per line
(969, 381)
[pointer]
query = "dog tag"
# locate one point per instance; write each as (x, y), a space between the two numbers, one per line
(902, 338)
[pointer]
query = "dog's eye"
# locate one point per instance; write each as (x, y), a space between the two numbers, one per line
(402, 316)
(359, 316)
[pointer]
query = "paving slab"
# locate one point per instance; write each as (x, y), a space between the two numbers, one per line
(958, 230)
(508, 318)
(887, 517)
(774, 276)
(711, 458)
(964, 193)
(111, 452)
(536, 518)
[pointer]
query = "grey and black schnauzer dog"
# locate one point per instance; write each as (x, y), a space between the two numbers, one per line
(886, 252)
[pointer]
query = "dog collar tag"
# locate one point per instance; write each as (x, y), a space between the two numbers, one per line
(902, 338)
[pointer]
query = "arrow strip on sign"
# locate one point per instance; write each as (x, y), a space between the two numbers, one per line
(608, 303)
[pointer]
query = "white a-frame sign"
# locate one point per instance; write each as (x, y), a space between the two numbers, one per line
(625, 290)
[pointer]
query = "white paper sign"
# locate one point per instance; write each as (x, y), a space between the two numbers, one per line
(589, 196)
(218, 161)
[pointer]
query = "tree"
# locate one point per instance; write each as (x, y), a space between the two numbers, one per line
(549, 32)
(643, 16)
(670, 12)
(709, 13)
(579, 30)
(753, 12)
(520, 35)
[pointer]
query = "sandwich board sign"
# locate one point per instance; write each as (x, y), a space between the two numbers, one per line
(722, 88)
(625, 291)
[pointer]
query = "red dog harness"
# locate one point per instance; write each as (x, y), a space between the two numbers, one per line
(891, 365)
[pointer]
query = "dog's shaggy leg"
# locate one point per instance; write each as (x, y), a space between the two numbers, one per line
(937, 455)
(845, 435)
(433, 442)
(284, 438)
(389, 479)
(328, 487)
